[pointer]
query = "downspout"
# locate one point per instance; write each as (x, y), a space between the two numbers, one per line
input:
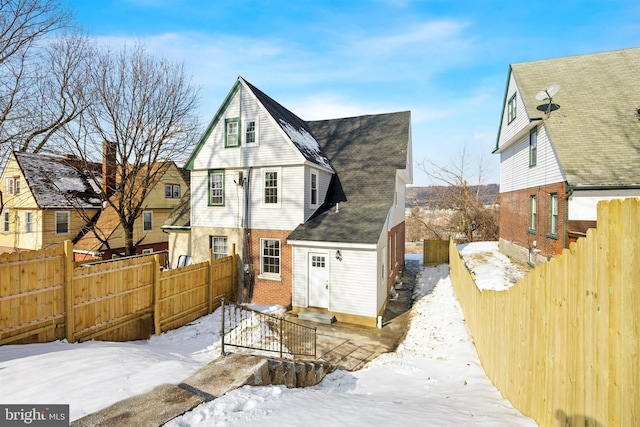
(568, 193)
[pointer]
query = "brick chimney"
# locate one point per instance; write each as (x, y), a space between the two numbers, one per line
(109, 166)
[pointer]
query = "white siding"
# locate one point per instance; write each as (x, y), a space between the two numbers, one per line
(382, 272)
(272, 147)
(583, 205)
(229, 215)
(352, 281)
(289, 213)
(324, 179)
(515, 172)
(509, 130)
(397, 212)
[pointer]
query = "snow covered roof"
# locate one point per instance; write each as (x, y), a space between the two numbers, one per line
(58, 182)
(296, 128)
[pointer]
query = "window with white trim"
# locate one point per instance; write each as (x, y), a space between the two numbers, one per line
(147, 251)
(62, 222)
(218, 244)
(533, 147)
(232, 132)
(251, 132)
(6, 218)
(28, 222)
(532, 214)
(172, 191)
(314, 189)
(553, 211)
(511, 109)
(271, 187)
(12, 184)
(216, 188)
(147, 221)
(270, 257)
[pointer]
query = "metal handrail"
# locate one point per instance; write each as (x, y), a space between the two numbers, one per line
(243, 327)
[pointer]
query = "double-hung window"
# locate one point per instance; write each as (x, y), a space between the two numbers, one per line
(28, 222)
(218, 245)
(251, 132)
(147, 221)
(532, 214)
(553, 211)
(6, 216)
(216, 188)
(172, 191)
(62, 222)
(511, 109)
(314, 189)
(271, 183)
(533, 147)
(12, 186)
(270, 257)
(232, 132)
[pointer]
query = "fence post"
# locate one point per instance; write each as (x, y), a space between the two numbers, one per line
(210, 287)
(280, 337)
(234, 274)
(222, 328)
(70, 321)
(156, 295)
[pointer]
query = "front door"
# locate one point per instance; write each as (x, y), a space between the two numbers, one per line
(318, 280)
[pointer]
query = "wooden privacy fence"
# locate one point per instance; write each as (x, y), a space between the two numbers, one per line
(45, 296)
(563, 344)
(435, 252)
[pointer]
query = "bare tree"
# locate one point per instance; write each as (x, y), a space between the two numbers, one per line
(471, 219)
(24, 27)
(59, 91)
(144, 110)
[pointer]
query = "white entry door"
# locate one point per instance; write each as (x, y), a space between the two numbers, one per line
(319, 280)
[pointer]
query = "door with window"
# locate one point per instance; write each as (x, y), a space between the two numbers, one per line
(318, 280)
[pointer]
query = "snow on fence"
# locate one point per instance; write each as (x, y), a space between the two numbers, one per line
(563, 344)
(45, 296)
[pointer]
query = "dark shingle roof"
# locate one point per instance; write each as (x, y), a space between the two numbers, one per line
(294, 127)
(180, 216)
(595, 130)
(57, 182)
(365, 152)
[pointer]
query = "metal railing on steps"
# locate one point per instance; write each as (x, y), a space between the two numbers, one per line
(243, 327)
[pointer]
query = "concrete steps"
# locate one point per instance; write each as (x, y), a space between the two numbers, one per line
(312, 316)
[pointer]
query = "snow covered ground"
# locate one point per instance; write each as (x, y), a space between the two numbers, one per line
(434, 378)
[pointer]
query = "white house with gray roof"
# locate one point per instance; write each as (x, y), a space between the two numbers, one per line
(315, 209)
(561, 154)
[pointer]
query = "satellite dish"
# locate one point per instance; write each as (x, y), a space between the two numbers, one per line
(548, 93)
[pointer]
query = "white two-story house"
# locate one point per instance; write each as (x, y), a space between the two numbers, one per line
(315, 209)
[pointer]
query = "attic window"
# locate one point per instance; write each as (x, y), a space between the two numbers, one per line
(511, 109)
(232, 132)
(172, 191)
(13, 186)
(251, 131)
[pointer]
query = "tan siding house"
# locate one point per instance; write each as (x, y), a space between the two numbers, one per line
(47, 200)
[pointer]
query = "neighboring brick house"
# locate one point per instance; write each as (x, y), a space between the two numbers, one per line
(315, 209)
(47, 200)
(560, 156)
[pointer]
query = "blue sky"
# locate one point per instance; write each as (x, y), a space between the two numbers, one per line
(446, 61)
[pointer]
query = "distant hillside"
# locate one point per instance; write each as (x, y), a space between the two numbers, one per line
(432, 196)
